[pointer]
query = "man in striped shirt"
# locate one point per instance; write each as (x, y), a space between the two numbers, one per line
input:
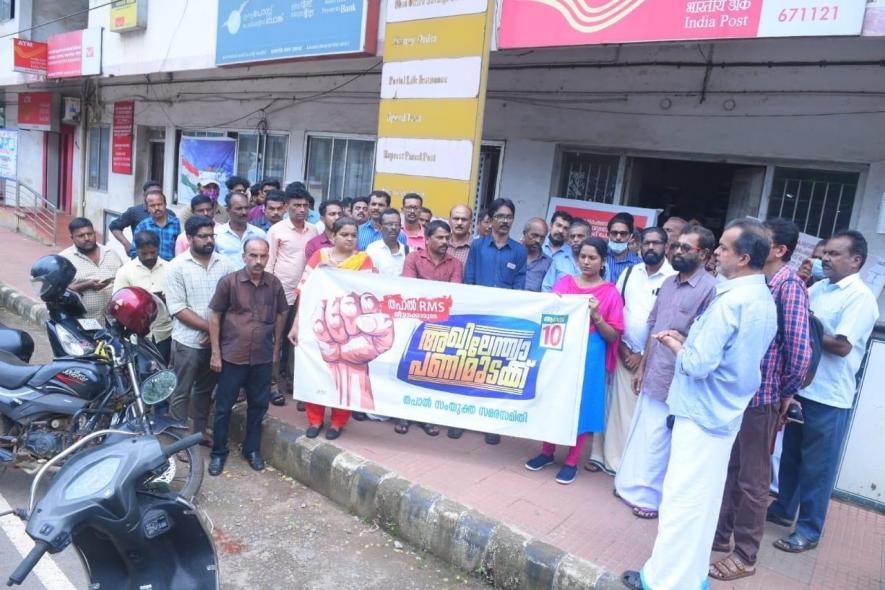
(784, 365)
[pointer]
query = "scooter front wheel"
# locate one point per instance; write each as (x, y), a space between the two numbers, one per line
(182, 477)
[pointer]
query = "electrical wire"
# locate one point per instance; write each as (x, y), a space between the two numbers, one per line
(55, 20)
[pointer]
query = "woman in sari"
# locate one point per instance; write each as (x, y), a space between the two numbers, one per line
(606, 327)
(342, 255)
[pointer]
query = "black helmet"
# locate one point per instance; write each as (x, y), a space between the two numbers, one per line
(51, 275)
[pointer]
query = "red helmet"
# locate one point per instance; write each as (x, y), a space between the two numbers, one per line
(133, 308)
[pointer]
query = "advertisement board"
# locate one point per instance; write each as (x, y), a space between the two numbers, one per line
(9, 154)
(29, 57)
(599, 214)
(204, 157)
(38, 111)
(75, 53)
(268, 30)
(551, 23)
(128, 15)
(121, 141)
(443, 353)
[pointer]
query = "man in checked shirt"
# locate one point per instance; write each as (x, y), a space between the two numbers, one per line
(784, 365)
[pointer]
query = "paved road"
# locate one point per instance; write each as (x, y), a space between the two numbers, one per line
(269, 531)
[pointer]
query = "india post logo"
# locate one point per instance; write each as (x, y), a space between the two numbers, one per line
(476, 355)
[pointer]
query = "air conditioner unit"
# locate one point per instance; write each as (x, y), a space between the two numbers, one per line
(71, 111)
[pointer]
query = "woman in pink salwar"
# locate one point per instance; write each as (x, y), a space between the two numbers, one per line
(606, 327)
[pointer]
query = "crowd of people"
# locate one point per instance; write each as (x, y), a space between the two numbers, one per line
(701, 353)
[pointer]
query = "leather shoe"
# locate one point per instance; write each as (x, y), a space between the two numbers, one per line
(313, 431)
(255, 460)
(333, 433)
(778, 520)
(216, 465)
(795, 543)
(277, 398)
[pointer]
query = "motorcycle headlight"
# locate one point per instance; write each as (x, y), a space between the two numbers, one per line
(158, 387)
(93, 479)
(71, 344)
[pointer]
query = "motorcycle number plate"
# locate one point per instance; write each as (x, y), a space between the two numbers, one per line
(89, 324)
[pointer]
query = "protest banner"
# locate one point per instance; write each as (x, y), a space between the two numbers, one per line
(443, 353)
(803, 250)
(599, 214)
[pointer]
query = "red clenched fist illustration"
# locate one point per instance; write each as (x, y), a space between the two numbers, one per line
(351, 331)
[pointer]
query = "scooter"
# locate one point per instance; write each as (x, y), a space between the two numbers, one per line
(128, 535)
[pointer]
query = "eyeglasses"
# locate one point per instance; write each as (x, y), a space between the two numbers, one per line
(618, 234)
(683, 247)
(502, 217)
(652, 243)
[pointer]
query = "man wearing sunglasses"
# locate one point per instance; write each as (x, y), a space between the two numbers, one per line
(620, 228)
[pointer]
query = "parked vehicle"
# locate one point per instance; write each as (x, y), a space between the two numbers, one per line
(44, 409)
(128, 533)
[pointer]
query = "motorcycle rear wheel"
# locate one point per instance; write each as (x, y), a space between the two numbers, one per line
(183, 477)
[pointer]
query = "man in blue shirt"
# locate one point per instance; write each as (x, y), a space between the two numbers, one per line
(717, 373)
(497, 260)
(371, 230)
(230, 237)
(567, 265)
(620, 228)
(160, 221)
(556, 245)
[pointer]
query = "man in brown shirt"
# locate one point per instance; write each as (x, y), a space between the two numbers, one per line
(434, 263)
(245, 331)
(460, 220)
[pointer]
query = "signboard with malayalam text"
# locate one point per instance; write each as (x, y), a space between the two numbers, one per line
(75, 53)
(552, 23)
(121, 141)
(268, 30)
(599, 214)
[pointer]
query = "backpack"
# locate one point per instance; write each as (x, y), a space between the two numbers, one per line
(815, 340)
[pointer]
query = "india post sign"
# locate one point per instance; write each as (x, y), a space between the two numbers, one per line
(443, 353)
(268, 30)
(433, 89)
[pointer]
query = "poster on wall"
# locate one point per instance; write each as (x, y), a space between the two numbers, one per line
(121, 142)
(443, 353)
(202, 158)
(9, 154)
(29, 57)
(599, 214)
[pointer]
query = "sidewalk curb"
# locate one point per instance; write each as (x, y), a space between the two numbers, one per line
(504, 556)
(23, 306)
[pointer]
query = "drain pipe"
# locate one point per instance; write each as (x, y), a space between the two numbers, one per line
(84, 149)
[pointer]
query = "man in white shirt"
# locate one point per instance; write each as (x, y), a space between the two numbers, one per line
(230, 236)
(810, 459)
(717, 373)
(639, 286)
(148, 271)
(96, 266)
(388, 254)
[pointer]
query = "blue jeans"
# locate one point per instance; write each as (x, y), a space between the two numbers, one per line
(809, 463)
(256, 380)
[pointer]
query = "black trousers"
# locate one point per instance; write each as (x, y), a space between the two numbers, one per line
(256, 380)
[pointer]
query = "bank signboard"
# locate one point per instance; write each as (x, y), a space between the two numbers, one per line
(550, 23)
(29, 57)
(270, 30)
(75, 53)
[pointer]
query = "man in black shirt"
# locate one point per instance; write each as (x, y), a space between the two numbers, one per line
(132, 216)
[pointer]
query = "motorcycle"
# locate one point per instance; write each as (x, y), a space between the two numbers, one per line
(44, 409)
(128, 533)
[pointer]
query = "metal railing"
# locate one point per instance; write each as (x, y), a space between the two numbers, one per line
(30, 207)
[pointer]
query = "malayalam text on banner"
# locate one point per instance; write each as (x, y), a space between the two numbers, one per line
(443, 353)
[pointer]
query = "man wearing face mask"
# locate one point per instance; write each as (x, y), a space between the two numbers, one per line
(620, 228)
(681, 299)
(639, 286)
(812, 268)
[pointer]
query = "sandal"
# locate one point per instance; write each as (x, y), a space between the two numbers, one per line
(730, 568)
(632, 580)
(401, 427)
(430, 429)
(592, 466)
(645, 513)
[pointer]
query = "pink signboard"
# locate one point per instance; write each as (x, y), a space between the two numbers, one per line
(549, 23)
(121, 142)
(76, 53)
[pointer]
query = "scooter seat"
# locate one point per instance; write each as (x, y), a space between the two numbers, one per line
(14, 372)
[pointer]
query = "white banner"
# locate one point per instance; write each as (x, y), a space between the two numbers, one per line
(443, 353)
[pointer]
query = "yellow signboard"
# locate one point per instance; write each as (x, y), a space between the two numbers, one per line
(128, 15)
(436, 47)
(440, 194)
(452, 118)
(454, 36)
